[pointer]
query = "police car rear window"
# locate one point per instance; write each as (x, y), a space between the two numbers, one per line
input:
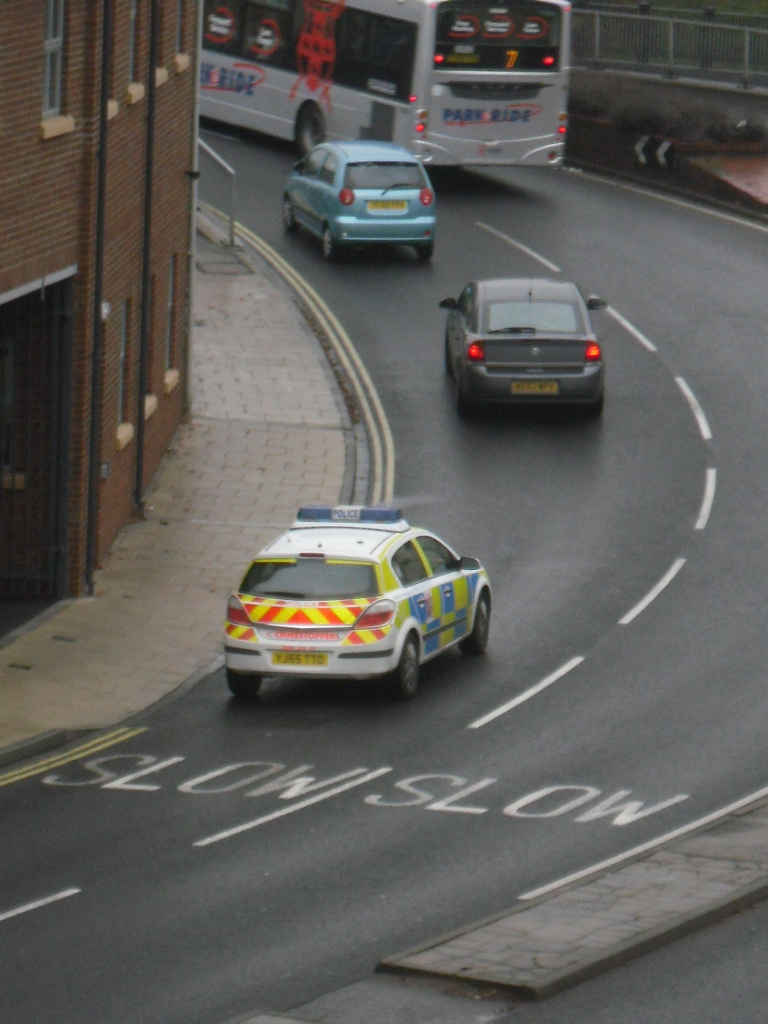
(384, 174)
(310, 579)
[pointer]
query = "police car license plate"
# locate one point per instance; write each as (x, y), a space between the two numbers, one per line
(535, 387)
(299, 658)
(387, 206)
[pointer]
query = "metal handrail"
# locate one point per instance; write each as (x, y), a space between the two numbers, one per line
(706, 42)
(232, 176)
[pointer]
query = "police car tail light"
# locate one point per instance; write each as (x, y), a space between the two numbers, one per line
(236, 614)
(592, 352)
(377, 615)
(476, 352)
(346, 196)
(426, 198)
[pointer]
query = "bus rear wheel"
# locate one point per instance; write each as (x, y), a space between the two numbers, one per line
(310, 128)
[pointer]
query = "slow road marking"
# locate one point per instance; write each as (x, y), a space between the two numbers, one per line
(83, 750)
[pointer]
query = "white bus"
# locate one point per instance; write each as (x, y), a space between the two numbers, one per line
(455, 81)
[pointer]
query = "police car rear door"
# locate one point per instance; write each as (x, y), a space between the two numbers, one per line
(447, 597)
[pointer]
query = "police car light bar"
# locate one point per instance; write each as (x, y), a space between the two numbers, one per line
(348, 514)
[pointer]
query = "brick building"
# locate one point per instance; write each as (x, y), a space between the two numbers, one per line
(94, 273)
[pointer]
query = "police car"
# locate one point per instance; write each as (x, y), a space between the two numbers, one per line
(355, 592)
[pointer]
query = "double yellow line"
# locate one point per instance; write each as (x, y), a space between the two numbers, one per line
(93, 746)
(382, 444)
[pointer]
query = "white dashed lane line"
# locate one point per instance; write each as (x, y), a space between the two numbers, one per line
(36, 904)
(631, 329)
(696, 409)
(710, 482)
(653, 593)
(527, 694)
(523, 248)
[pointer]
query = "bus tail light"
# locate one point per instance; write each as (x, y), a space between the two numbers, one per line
(592, 352)
(346, 196)
(475, 352)
(426, 198)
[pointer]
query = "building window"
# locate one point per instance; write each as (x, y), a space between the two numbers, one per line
(133, 44)
(170, 319)
(53, 57)
(122, 375)
(180, 26)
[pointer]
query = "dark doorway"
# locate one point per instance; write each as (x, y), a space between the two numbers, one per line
(35, 399)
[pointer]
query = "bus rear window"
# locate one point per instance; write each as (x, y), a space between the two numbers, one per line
(384, 174)
(497, 37)
(310, 579)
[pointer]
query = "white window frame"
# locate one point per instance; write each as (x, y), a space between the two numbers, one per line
(53, 57)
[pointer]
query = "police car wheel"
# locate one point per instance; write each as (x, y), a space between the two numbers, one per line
(477, 641)
(405, 678)
(448, 360)
(243, 685)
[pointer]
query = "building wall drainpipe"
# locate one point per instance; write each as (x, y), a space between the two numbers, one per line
(99, 308)
(146, 265)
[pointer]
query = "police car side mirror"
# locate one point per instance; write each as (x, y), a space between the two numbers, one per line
(465, 562)
(593, 302)
(449, 304)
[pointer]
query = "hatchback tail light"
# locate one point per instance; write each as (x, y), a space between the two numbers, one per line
(377, 615)
(426, 198)
(236, 614)
(476, 352)
(592, 352)
(346, 196)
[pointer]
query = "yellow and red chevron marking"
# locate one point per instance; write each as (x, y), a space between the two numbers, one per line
(240, 632)
(319, 613)
(365, 636)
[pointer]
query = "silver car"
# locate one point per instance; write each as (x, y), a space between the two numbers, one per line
(524, 341)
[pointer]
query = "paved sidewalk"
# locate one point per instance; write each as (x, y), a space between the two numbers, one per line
(268, 432)
(576, 932)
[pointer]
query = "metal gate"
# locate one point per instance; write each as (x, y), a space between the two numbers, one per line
(35, 402)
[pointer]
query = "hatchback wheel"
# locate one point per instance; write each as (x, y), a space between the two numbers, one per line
(596, 408)
(477, 641)
(424, 252)
(330, 245)
(289, 217)
(461, 402)
(243, 685)
(405, 678)
(447, 356)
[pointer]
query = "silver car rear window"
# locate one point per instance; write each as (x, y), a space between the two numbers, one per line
(310, 579)
(557, 317)
(384, 175)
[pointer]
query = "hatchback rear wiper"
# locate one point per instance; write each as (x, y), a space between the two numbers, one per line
(513, 330)
(282, 593)
(399, 184)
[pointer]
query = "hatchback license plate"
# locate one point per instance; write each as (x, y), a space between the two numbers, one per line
(299, 658)
(535, 387)
(387, 206)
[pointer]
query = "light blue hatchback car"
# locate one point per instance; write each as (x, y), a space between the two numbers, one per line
(361, 193)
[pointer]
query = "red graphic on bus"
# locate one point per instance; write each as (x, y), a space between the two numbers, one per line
(316, 48)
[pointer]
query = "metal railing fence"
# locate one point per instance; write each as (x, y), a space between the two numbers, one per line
(222, 163)
(673, 45)
(708, 14)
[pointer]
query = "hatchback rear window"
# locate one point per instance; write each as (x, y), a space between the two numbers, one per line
(322, 579)
(384, 174)
(557, 317)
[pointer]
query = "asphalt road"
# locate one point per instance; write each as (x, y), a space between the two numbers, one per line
(576, 521)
